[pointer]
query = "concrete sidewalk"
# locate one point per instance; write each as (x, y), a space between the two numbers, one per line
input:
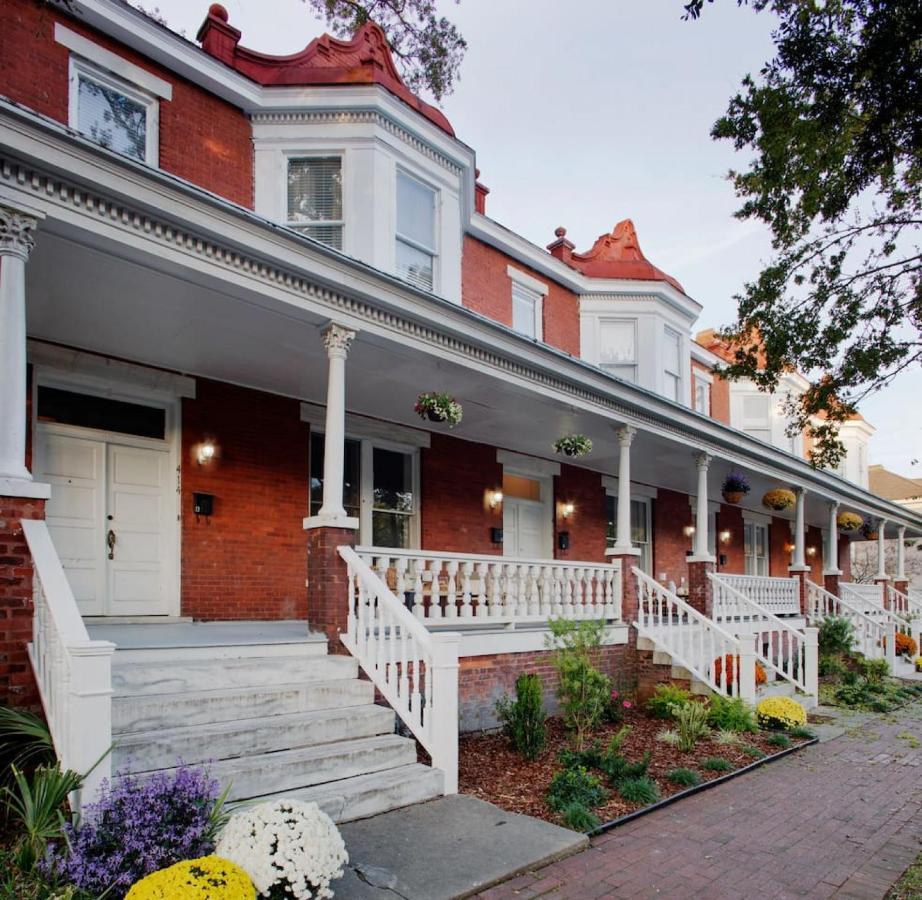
(450, 847)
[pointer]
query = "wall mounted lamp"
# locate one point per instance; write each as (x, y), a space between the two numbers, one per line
(688, 530)
(811, 551)
(206, 452)
(567, 510)
(725, 536)
(495, 498)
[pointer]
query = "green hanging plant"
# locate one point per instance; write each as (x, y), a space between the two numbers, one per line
(574, 445)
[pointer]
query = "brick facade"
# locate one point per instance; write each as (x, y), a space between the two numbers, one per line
(249, 559)
(203, 139)
(17, 684)
(700, 594)
(487, 288)
(780, 537)
(731, 554)
(587, 525)
(671, 515)
(327, 582)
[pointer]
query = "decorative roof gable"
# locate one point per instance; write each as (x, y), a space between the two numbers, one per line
(366, 59)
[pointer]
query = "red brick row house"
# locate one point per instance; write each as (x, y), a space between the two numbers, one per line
(225, 278)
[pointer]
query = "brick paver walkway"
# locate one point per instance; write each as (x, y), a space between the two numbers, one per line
(842, 818)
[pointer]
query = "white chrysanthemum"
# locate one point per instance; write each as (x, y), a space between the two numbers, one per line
(286, 843)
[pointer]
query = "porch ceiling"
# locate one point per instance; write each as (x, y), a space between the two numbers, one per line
(132, 306)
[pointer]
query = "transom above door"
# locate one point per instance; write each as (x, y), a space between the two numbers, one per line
(112, 514)
(527, 504)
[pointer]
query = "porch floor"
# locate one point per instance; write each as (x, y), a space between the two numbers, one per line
(156, 635)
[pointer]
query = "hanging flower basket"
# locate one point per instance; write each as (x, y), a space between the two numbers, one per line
(868, 529)
(438, 408)
(849, 522)
(779, 499)
(574, 445)
(735, 487)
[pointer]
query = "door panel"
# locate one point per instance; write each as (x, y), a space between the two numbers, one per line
(523, 529)
(138, 495)
(75, 469)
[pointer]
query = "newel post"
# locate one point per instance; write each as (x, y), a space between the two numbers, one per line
(811, 662)
(444, 724)
(88, 736)
(747, 670)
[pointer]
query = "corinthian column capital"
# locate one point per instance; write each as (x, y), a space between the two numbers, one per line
(337, 340)
(17, 232)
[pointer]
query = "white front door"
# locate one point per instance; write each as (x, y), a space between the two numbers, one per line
(111, 519)
(523, 529)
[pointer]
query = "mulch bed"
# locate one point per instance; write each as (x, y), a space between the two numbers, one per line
(491, 770)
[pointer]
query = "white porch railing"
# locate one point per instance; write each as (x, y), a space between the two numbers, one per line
(469, 589)
(874, 636)
(694, 641)
(870, 597)
(415, 670)
(74, 674)
(785, 651)
(780, 596)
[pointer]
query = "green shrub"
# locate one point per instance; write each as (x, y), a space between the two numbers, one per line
(575, 785)
(617, 768)
(782, 741)
(836, 636)
(691, 722)
(752, 750)
(684, 777)
(831, 665)
(524, 718)
(717, 764)
(854, 695)
(850, 676)
(577, 817)
(617, 740)
(802, 732)
(728, 738)
(641, 789)
(589, 757)
(731, 714)
(667, 697)
(584, 691)
(875, 670)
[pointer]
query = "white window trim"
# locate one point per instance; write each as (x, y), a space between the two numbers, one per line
(527, 281)
(610, 483)
(668, 334)
(436, 229)
(113, 62)
(699, 378)
(315, 153)
(768, 548)
(532, 466)
(80, 67)
(756, 518)
(646, 498)
(537, 301)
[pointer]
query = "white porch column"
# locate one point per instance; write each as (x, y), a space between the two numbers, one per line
(799, 562)
(901, 553)
(17, 237)
(881, 550)
(701, 554)
(832, 541)
(336, 339)
(623, 520)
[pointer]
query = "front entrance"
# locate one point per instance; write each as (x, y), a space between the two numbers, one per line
(526, 517)
(112, 514)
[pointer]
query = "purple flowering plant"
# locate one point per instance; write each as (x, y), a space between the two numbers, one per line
(138, 825)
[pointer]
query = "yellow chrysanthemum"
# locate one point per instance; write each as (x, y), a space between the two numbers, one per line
(208, 878)
(781, 712)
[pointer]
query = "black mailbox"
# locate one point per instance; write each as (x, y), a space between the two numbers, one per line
(203, 504)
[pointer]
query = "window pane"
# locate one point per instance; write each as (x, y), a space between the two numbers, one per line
(352, 467)
(111, 119)
(702, 397)
(390, 530)
(524, 304)
(610, 517)
(639, 522)
(87, 411)
(326, 234)
(393, 481)
(672, 386)
(315, 190)
(763, 434)
(626, 373)
(414, 266)
(616, 343)
(671, 357)
(756, 407)
(415, 211)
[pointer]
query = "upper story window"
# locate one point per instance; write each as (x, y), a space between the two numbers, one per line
(416, 246)
(526, 311)
(618, 348)
(756, 411)
(113, 113)
(315, 198)
(702, 396)
(672, 372)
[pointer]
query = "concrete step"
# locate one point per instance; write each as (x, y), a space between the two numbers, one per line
(207, 652)
(179, 675)
(149, 712)
(303, 767)
(368, 795)
(162, 748)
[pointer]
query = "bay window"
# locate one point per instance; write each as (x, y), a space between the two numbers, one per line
(672, 371)
(315, 198)
(416, 244)
(618, 348)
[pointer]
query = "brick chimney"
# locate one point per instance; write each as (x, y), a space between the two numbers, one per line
(218, 39)
(480, 194)
(562, 249)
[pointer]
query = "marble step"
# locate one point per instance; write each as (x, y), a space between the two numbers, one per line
(179, 675)
(207, 652)
(159, 749)
(368, 795)
(149, 712)
(303, 767)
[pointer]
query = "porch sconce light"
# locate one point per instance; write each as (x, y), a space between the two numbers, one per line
(206, 452)
(495, 498)
(566, 510)
(725, 536)
(811, 551)
(688, 530)
(788, 548)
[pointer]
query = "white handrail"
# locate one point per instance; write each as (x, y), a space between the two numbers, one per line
(694, 641)
(777, 595)
(415, 670)
(74, 674)
(904, 605)
(779, 646)
(874, 637)
(468, 589)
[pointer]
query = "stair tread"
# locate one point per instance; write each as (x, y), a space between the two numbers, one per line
(218, 693)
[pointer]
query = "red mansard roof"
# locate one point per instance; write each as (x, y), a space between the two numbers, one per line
(366, 59)
(618, 255)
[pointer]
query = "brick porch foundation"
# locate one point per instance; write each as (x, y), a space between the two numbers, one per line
(327, 583)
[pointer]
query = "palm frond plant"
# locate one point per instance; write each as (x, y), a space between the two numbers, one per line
(25, 741)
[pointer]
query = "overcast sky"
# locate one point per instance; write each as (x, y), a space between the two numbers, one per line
(589, 112)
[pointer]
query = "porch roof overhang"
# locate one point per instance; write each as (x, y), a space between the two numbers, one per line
(135, 263)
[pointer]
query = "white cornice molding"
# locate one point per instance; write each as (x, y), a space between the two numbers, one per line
(366, 427)
(106, 191)
(703, 355)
